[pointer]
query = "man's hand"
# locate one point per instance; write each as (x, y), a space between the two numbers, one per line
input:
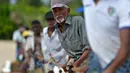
(76, 63)
(62, 65)
(76, 69)
(40, 58)
(85, 54)
(109, 71)
(123, 52)
(80, 69)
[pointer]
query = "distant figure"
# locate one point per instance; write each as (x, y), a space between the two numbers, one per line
(27, 32)
(19, 39)
(32, 64)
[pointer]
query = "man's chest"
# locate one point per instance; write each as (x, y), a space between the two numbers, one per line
(69, 33)
(70, 37)
(37, 43)
(103, 17)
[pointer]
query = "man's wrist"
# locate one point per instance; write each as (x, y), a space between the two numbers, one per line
(77, 63)
(112, 68)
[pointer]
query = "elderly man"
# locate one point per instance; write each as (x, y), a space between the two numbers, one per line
(72, 34)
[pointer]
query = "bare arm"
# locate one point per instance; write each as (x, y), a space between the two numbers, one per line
(123, 14)
(84, 39)
(123, 53)
(82, 58)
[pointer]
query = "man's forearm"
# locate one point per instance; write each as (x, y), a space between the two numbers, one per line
(124, 50)
(83, 56)
(121, 57)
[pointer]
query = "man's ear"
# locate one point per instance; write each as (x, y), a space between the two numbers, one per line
(68, 11)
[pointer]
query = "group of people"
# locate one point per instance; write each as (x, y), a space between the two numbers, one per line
(98, 44)
(39, 49)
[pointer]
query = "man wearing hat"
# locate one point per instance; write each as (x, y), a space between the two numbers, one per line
(72, 34)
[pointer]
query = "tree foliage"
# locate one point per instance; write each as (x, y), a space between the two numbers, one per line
(24, 11)
(6, 25)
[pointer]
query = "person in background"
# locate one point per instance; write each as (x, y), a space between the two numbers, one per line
(33, 47)
(26, 34)
(53, 48)
(108, 30)
(19, 39)
(28, 30)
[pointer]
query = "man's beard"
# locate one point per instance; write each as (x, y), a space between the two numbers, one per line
(60, 18)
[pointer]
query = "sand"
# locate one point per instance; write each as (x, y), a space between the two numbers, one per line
(7, 51)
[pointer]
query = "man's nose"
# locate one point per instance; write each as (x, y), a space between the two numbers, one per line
(57, 13)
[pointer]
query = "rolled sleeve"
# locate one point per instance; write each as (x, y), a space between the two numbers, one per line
(83, 34)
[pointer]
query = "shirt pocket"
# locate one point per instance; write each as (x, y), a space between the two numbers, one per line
(74, 43)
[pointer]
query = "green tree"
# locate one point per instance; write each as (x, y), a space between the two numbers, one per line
(6, 25)
(35, 3)
(24, 11)
(4, 1)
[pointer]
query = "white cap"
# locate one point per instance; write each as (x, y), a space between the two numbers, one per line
(59, 3)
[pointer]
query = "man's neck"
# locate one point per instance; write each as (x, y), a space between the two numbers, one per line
(62, 26)
(50, 31)
(37, 35)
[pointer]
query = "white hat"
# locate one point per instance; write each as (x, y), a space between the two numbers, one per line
(59, 3)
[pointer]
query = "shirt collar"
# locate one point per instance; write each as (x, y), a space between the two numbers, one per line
(40, 34)
(45, 30)
(68, 20)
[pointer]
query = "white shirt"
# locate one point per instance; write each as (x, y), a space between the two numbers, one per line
(53, 46)
(103, 24)
(18, 37)
(30, 42)
(30, 45)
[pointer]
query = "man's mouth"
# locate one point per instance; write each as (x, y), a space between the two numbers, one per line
(60, 18)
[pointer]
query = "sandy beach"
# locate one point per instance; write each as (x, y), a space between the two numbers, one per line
(7, 51)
